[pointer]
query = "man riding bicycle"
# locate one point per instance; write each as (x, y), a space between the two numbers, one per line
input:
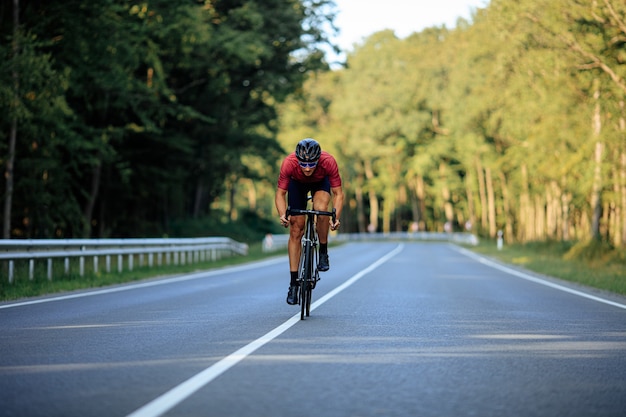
(308, 169)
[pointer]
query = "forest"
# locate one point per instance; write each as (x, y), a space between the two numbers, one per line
(134, 118)
(130, 119)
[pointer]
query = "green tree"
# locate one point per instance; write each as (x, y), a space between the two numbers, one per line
(33, 129)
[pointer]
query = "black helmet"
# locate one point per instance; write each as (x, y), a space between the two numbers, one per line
(308, 150)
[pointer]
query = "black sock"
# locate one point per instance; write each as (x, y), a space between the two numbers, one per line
(323, 247)
(294, 278)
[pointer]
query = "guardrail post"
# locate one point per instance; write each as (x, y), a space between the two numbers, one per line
(130, 261)
(140, 260)
(81, 266)
(107, 261)
(67, 266)
(31, 269)
(95, 264)
(150, 259)
(11, 271)
(49, 269)
(120, 261)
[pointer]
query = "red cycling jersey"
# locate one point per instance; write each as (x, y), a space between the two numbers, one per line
(326, 167)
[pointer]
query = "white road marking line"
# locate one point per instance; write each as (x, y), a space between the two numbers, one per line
(527, 277)
(186, 277)
(178, 394)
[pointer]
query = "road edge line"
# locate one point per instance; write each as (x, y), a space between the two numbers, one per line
(528, 277)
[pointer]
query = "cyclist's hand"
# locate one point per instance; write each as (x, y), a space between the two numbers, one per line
(284, 221)
(335, 225)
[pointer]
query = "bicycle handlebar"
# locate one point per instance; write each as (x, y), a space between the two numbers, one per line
(332, 214)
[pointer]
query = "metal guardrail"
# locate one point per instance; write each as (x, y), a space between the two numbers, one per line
(169, 251)
(275, 242)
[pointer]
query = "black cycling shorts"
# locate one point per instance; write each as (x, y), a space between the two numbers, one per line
(298, 191)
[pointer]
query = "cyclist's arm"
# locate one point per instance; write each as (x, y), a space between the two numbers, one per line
(337, 193)
(280, 199)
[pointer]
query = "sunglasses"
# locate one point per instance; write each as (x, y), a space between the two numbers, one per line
(308, 164)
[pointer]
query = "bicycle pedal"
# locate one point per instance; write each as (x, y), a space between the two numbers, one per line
(314, 282)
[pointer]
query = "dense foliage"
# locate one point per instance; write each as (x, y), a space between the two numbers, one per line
(515, 122)
(125, 118)
(144, 118)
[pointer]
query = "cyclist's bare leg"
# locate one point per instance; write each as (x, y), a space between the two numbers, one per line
(294, 247)
(321, 201)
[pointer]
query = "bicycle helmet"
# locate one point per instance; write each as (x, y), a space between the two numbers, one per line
(308, 150)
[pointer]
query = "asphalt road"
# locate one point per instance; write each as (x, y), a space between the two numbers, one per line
(413, 329)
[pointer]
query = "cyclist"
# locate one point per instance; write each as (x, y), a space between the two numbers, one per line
(308, 169)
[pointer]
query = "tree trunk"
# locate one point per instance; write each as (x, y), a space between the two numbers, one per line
(554, 210)
(565, 216)
(622, 232)
(491, 201)
(508, 227)
(596, 193)
(369, 174)
(198, 199)
(415, 213)
(616, 214)
(540, 218)
(232, 192)
(471, 216)
(420, 192)
(360, 207)
(526, 217)
(484, 217)
(388, 208)
(448, 209)
(91, 201)
(9, 172)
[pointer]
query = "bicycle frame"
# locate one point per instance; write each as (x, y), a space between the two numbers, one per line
(308, 275)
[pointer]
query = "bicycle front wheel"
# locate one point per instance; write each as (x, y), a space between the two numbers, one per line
(310, 284)
(305, 281)
(308, 299)
(305, 293)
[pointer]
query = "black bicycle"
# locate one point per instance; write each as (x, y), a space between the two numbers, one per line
(308, 274)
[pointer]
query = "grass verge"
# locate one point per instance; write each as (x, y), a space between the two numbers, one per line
(582, 263)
